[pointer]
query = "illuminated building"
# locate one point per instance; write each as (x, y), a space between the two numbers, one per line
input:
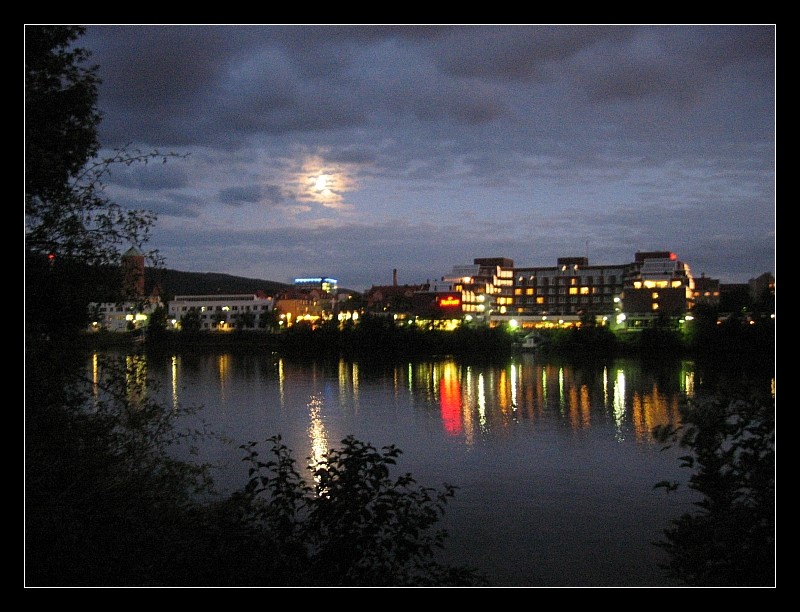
(563, 294)
(303, 304)
(482, 285)
(706, 291)
(133, 310)
(323, 283)
(122, 316)
(658, 286)
(222, 312)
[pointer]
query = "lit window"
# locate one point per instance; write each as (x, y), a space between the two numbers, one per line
(637, 284)
(517, 291)
(573, 291)
(655, 295)
(529, 292)
(655, 306)
(540, 300)
(584, 290)
(676, 283)
(573, 281)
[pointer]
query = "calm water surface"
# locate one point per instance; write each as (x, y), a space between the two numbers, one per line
(554, 462)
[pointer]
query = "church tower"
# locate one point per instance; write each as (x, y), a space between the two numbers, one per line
(133, 274)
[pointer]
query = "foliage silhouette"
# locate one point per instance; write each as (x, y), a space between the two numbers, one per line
(730, 539)
(111, 502)
(356, 526)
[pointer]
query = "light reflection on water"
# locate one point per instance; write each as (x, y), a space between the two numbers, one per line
(555, 462)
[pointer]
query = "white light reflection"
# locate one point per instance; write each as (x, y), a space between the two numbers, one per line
(544, 386)
(688, 383)
(513, 388)
(561, 398)
(316, 431)
(605, 387)
(466, 404)
(619, 402)
(482, 402)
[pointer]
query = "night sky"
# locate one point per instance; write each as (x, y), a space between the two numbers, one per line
(349, 151)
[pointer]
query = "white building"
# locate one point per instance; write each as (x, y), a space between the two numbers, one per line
(221, 312)
(121, 316)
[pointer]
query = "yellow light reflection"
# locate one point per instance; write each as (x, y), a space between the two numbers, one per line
(95, 376)
(223, 365)
(174, 375)
(281, 384)
(136, 377)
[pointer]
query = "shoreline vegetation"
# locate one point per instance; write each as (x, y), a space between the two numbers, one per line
(381, 339)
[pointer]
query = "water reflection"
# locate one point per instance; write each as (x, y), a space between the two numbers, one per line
(472, 400)
(316, 430)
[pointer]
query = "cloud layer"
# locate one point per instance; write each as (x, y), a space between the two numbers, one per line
(350, 151)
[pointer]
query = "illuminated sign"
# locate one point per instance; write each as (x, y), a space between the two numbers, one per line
(449, 301)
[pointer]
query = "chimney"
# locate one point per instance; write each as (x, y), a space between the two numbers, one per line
(394, 277)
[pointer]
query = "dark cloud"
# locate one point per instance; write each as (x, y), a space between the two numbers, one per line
(252, 194)
(516, 52)
(165, 208)
(153, 176)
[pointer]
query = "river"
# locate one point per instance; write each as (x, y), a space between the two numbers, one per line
(554, 461)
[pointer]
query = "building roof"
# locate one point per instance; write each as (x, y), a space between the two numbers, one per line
(133, 252)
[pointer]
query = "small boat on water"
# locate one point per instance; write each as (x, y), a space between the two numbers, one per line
(532, 341)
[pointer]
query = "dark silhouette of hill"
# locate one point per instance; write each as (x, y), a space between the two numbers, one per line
(176, 282)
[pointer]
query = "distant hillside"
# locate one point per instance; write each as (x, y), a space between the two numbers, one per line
(175, 282)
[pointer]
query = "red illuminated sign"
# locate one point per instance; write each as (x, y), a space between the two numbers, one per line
(449, 301)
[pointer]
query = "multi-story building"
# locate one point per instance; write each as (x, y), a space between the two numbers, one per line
(132, 311)
(222, 312)
(303, 304)
(706, 291)
(658, 287)
(128, 315)
(564, 294)
(484, 286)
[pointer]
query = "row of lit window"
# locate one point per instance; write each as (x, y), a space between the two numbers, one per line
(567, 280)
(562, 291)
(662, 284)
(217, 308)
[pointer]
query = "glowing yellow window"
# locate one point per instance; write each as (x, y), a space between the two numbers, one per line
(637, 284)
(584, 290)
(573, 291)
(655, 295)
(655, 306)
(529, 291)
(540, 300)
(517, 291)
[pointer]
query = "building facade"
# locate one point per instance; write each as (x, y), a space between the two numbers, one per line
(658, 288)
(483, 286)
(221, 312)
